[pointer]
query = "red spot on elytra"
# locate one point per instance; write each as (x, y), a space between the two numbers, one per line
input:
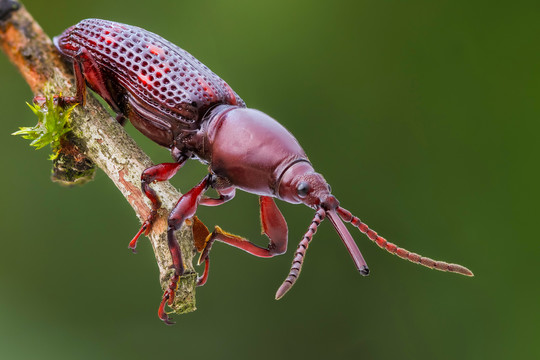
(109, 40)
(144, 79)
(155, 50)
(206, 88)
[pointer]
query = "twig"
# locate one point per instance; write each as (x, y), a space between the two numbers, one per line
(99, 137)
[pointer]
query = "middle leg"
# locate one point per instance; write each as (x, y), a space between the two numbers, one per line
(159, 172)
(185, 208)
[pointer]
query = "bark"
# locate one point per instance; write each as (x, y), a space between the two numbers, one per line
(100, 138)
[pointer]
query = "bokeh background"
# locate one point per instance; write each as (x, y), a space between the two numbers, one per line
(423, 115)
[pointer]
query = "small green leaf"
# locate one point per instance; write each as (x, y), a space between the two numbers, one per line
(51, 126)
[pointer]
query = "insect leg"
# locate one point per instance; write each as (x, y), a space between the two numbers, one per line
(80, 84)
(201, 233)
(273, 226)
(160, 172)
(185, 208)
(200, 236)
(86, 70)
(224, 196)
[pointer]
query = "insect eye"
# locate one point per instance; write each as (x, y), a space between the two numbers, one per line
(303, 189)
(329, 188)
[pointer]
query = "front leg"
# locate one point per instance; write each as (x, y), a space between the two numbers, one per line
(185, 208)
(274, 227)
(201, 235)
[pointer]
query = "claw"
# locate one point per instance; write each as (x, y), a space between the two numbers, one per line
(133, 243)
(201, 280)
(161, 311)
(168, 298)
(146, 226)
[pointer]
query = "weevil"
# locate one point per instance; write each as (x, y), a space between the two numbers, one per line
(179, 103)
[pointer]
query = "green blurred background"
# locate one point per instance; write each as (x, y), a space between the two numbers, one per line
(423, 115)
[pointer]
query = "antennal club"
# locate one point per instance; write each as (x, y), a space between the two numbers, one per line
(299, 255)
(347, 216)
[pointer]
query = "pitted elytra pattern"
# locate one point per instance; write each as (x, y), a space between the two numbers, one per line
(159, 72)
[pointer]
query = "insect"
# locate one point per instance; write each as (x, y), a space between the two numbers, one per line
(175, 100)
